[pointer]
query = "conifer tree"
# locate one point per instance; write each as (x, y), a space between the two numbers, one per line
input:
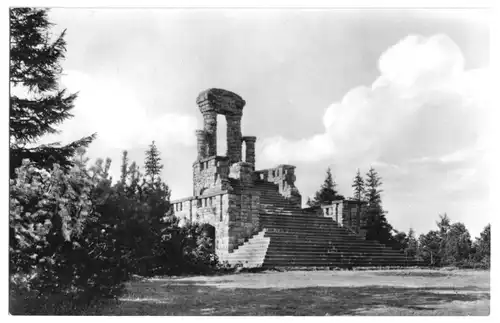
(35, 67)
(358, 186)
(124, 173)
(327, 192)
(373, 190)
(376, 225)
(152, 164)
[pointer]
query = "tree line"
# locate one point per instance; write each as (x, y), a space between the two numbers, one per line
(449, 245)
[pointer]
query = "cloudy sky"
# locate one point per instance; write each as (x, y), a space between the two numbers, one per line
(402, 91)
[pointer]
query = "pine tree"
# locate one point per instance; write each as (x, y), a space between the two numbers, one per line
(34, 69)
(124, 172)
(376, 223)
(152, 163)
(373, 191)
(327, 192)
(358, 186)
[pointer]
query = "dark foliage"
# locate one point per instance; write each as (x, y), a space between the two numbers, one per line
(377, 227)
(358, 186)
(34, 70)
(152, 164)
(327, 192)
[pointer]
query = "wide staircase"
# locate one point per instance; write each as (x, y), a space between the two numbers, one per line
(293, 237)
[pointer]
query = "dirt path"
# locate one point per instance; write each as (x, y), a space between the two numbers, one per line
(415, 292)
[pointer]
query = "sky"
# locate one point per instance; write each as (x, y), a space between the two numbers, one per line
(403, 91)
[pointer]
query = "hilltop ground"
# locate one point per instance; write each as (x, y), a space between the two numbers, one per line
(374, 292)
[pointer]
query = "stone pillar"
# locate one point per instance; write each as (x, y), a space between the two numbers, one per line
(210, 126)
(234, 138)
(250, 149)
(201, 144)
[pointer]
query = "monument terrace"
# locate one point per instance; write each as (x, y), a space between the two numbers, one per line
(257, 214)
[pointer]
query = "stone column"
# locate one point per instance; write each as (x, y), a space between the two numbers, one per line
(210, 126)
(201, 143)
(234, 138)
(250, 149)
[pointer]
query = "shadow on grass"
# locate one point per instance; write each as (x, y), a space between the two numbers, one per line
(415, 273)
(195, 298)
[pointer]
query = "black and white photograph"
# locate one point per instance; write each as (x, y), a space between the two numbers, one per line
(249, 161)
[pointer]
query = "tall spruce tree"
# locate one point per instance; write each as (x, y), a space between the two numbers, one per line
(327, 192)
(124, 168)
(358, 186)
(372, 188)
(152, 164)
(35, 67)
(376, 225)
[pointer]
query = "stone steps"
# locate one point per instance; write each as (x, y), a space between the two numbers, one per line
(334, 264)
(332, 240)
(332, 250)
(274, 247)
(292, 237)
(252, 253)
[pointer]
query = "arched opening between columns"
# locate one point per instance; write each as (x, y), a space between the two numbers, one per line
(221, 135)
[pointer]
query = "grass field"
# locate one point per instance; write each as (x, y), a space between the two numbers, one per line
(385, 292)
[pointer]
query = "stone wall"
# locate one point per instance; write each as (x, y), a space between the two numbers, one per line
(210, 175)
(244, 205)
(233, 213)
(211, 209)
(284, 177)
(347, 213)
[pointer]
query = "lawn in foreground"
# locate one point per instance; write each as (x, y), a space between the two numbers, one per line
(389, 292)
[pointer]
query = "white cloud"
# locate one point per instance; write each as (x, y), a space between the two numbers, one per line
(108, 107)
(420, 61)
(423, 105)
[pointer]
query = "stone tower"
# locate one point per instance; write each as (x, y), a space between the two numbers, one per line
(211, 172)
(225, 194)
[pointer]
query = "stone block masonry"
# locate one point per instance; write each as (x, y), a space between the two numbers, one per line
(250, 149)
(231, 208)
(284, 177)
(233, 197)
